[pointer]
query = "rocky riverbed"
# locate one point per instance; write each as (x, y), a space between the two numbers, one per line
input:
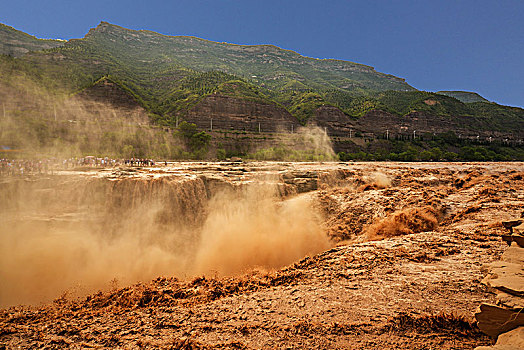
(346, 255)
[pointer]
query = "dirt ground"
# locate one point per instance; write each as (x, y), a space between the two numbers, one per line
(404, 271)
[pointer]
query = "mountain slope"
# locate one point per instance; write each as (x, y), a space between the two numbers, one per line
(464, 96)
(264, 63)
(155, 67)
(16, 43)
(177, 77)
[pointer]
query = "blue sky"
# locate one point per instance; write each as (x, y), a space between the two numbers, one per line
(435, 45)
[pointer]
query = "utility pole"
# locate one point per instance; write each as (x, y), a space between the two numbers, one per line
(387, 134)
(350, 131)
(259, 128)
(414, 134)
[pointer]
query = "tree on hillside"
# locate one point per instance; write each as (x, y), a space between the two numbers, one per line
(197, 142)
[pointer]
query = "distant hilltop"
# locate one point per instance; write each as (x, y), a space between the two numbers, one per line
(464, 96)
(16, 43)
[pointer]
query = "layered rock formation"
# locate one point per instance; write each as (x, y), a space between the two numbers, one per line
(230, 113)
(334, 121)
(253, 123)
(106, 100)
(379, 122)
(108, 92)
(505, 320)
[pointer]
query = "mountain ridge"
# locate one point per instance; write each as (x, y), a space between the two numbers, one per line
(201, 44)
(464, 96)
(288, 67)
(107, 24)
(184, 78)
(15, 43)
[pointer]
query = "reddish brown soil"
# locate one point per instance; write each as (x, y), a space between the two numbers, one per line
(415, 290)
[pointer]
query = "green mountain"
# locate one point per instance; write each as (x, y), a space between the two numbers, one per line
(16, 43)
(241, 87)
(169, 73)
(264, 64)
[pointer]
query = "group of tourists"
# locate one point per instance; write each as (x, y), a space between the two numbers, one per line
(24, 166)
(139, 162)
(14, 167)
(89, 161)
